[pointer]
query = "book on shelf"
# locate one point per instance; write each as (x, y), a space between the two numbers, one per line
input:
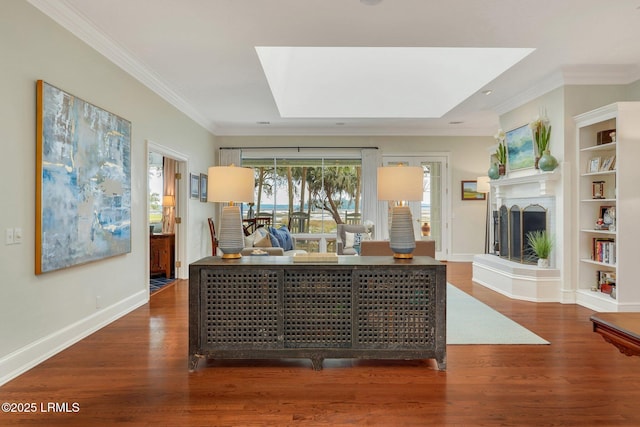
(604, 250)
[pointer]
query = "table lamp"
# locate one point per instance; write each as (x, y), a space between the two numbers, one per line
(229, 184)
(168, 203)
(401, 184)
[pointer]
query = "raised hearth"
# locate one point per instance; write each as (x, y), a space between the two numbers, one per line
(515, 280)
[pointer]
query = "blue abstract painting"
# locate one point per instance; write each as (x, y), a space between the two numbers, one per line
(84, 181)
(520, 151)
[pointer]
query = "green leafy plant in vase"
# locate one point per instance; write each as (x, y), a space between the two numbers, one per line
(501, 152)
(541, 134)
(540, 244)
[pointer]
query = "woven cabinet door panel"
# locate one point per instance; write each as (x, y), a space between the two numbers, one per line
(395, 308)
(317, 308)
(240, 308)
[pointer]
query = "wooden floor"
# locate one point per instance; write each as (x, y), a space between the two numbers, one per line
(134, 372)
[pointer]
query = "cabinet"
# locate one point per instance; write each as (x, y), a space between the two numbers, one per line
(360, 307)
(161, 254)
(608, 187)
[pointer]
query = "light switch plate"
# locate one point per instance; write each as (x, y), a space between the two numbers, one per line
(9, 236)
(17, 235)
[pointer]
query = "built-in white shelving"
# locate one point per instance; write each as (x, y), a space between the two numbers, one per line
(608, 177)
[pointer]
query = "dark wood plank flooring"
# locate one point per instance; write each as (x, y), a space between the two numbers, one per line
(134, 372)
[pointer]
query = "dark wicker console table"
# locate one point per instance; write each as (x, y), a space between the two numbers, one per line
(368, 307)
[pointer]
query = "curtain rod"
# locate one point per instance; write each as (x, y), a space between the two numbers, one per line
(296, 148)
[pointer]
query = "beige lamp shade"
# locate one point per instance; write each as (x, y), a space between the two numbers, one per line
(168, 201)
(230, 184)
(400, 183)
(483, 185)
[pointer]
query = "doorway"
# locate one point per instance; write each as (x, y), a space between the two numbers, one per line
(434, 208)
(166, 211)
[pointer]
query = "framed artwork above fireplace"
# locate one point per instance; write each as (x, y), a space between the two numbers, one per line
(520, 150)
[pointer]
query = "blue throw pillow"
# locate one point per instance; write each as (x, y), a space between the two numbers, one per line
(275, 242)
(283, 237)
(357, 238)
(288, 240)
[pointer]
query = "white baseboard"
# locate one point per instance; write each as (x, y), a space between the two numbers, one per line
(461, 257)
(20, 361)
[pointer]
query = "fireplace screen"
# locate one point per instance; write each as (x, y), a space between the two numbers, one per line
(512, 228)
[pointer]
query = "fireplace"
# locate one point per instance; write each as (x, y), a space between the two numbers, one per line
(521, 203)
(511, 226)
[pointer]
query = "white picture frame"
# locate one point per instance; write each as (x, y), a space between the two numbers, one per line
(594, 165)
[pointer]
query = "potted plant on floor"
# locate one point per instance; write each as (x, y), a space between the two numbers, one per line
(541, 244)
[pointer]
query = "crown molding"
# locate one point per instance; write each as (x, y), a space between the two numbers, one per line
(574, 75)
(74, 22)
(546, 85)
(347, 131)
(601, 74)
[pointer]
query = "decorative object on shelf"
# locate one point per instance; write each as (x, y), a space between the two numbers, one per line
(541, 133)
(608, 164)
(604, 218)
(231, 184)
(493, 171)
(401, 183)
(541, 244)
(547, 162)
(610, 218)
(520, 151)
(605, 136)
(594, 165)
(597, 190)
(501, 152)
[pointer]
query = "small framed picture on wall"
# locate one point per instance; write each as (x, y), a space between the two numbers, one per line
(194, 188)
(204, 180)
(469, 191)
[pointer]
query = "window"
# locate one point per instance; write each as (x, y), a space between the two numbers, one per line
(310, 195)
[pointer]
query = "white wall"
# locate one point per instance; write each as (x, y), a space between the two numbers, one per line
(40, 315)
(469, 159)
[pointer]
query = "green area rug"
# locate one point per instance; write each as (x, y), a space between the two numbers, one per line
(470, 321)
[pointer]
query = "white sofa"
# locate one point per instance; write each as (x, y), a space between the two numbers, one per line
(261, 240)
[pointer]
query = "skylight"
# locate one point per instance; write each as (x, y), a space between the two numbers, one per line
(379, 82)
